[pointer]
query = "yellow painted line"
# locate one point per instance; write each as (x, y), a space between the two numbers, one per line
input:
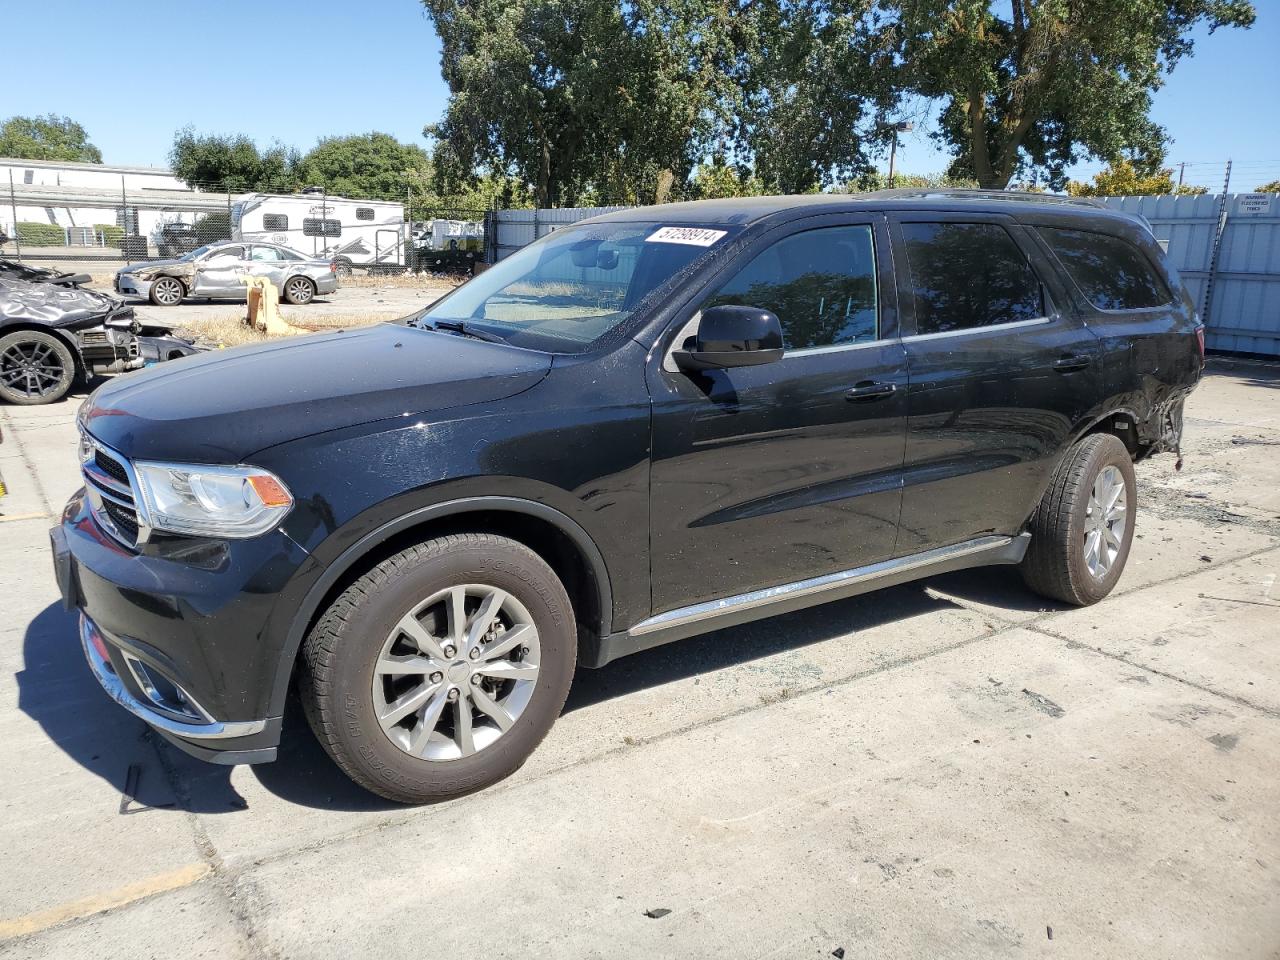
(25, 516)
(88, 906)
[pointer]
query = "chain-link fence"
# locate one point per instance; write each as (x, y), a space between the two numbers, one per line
(104, 218)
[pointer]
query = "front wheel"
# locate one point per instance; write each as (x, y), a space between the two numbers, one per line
(1083, 527)
(440, 670)
(35, 368)
(167, 292)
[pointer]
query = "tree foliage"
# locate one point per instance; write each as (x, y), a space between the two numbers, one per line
(1123, 179)
(1272, 187)
(233, 162)
(372, 165)
(49, 137)
(1054, 80)
(620, 103)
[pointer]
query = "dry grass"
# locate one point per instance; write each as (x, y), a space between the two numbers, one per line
(404, 281)
(230, 330)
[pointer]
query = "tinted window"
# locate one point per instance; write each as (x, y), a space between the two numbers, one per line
(1112, 273)
(222, 253)
(364, 213)
(821, 284)
(967, 275)
(316, 227)
(275, 221)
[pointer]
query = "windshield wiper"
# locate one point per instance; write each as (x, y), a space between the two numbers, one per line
(457, 326)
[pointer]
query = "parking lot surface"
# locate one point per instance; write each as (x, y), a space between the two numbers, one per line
(950, 768)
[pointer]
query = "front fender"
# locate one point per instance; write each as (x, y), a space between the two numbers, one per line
(320, 576)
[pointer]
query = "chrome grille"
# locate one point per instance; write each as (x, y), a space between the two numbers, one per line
(111, 491)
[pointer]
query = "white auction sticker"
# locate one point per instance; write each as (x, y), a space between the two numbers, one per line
(694, 236)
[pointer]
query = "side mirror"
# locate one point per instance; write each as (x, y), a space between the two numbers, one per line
(733, 336)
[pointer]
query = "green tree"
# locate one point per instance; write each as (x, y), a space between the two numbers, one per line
(1272, 187)
(1123, 179)
(582, 99)
(915, 181)
(50, 137)
(1054, 80)
(817, 80)
(232, 162)
(373, 165)
(717, 180)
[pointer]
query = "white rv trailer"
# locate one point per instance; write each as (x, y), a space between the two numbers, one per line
(358, 233)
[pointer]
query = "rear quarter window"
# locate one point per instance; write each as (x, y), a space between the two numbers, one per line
(1111, 272)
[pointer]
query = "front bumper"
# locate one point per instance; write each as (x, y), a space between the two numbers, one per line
(129, 285)
(182, 634)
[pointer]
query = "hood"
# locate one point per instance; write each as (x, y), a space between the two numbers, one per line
(54, 304)
(139, 269)
(223, 406)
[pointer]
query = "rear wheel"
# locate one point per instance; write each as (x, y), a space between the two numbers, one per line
(35, 368)
(299, 290)
(1082, 529)
(167, 292)
(440, 670)
(342, 267)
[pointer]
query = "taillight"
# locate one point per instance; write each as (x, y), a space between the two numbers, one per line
(333, 268)
(1200, 342)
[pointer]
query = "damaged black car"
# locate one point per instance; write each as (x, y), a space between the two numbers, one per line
(51, 333)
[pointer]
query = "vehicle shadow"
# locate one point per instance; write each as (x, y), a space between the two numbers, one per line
(998, 587)
(148, 772)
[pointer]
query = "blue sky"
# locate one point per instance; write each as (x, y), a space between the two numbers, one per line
(134, 72)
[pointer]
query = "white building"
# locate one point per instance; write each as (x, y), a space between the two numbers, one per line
(75, 196)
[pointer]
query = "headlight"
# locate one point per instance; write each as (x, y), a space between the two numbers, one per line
(201, 500)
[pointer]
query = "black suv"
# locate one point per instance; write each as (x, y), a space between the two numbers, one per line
(652, 424)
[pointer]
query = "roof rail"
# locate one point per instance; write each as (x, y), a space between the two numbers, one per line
(957, 193)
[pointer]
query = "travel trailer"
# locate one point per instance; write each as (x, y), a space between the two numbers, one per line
(352, 233)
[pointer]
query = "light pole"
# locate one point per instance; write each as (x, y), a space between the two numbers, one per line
(900, 126)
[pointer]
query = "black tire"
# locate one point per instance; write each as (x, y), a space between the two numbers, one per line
(1056, 565)
(343, 268)
(35, 368)
(299, 291)
(166, 292)
(336, 676)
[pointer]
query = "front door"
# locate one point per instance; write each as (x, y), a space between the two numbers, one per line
(218, 274)
(772, 474)
(999, 376)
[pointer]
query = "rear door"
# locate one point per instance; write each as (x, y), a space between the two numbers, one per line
(772, 474)
(1001, 372)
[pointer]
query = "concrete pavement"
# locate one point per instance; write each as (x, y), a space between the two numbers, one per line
(945, 769)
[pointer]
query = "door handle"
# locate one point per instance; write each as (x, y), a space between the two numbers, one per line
(1070, 364)
(870, 390)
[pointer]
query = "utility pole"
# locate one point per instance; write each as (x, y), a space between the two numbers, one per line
(1182, 169)
(900, 126)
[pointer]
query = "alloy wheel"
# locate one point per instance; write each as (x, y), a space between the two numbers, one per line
(168, 291)
(298, 290)
(1106, 517)
(456, 672)
(31, 368)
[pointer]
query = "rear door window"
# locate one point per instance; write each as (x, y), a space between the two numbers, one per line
(1111, 272)
(820, 283)
(965, 276)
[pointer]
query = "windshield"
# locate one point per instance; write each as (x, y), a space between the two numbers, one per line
(574, 286)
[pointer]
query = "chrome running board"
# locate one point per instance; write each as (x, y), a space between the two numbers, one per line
(770, 601)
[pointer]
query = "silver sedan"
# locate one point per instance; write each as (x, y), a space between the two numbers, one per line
(215, 272)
